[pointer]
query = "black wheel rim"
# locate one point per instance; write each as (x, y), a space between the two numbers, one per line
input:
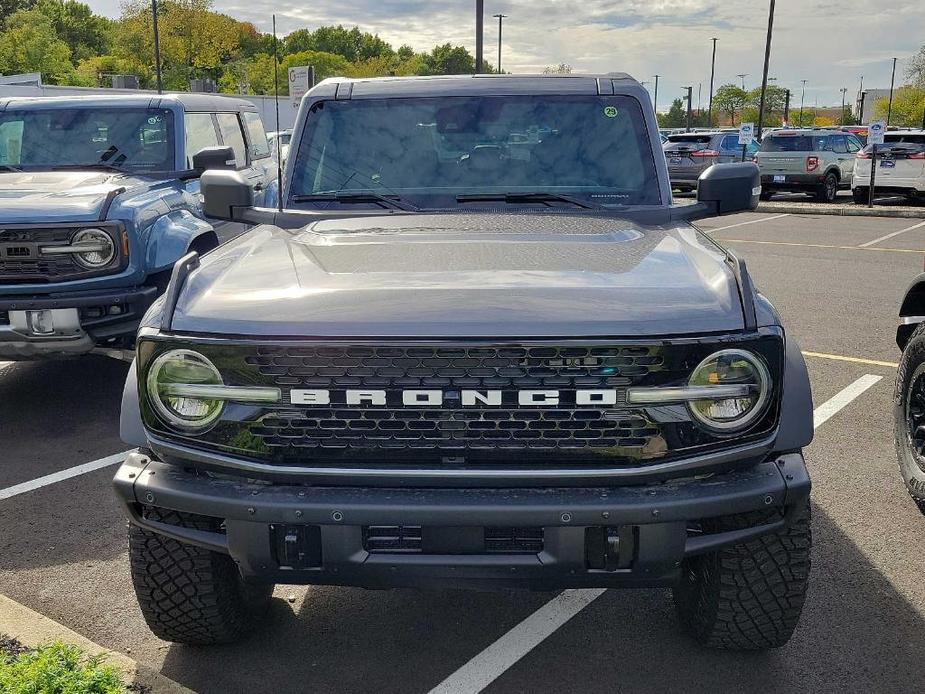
(915, 418)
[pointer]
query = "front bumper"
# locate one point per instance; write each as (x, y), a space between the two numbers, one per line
(81, 321)
(590, 537)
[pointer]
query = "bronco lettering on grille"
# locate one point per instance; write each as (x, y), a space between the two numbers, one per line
(436, 398)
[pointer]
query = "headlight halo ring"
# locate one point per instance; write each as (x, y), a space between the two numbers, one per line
(94, 234)
(733, 426)
(161, 408)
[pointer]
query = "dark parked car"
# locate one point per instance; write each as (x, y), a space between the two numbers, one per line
(460, 359)
(690, 154)
(99, 197)
(818, 162)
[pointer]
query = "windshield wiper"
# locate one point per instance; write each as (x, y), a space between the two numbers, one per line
(514, 198)
(392, 202)
(100, 165)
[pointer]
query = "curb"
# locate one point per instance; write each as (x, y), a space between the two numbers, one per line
(843, 210)
(33, 629)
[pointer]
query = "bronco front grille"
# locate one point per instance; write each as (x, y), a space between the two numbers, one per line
(453, 428)
(454, 433)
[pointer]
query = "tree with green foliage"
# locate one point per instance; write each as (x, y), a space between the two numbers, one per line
(85, 33)
(730, 99)
(676, 116)
(449, 60)
(908, 107)
(29, 44)
(352, 44)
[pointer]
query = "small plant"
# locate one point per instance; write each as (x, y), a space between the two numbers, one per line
(55, 668)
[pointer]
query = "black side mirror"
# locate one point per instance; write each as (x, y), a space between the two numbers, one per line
(729, 188)
(225, 193)
(214, 158)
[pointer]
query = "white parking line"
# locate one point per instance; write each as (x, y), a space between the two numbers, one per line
(838, 401)
(895, 233)
(500, 656)
(742, 224)
(17, 489)
(488, 665)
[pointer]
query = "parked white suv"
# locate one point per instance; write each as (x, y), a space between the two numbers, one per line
(900, 166)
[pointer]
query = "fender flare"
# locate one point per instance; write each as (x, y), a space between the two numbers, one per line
(172, 235)
(911, 310)
(796, 405)
(131, 429)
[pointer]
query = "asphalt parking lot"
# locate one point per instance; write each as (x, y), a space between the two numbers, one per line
(836, 281)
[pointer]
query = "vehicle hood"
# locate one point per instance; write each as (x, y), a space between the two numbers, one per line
(463, 275)
(48, 196)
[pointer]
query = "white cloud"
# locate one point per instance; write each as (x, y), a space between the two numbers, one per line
(830, 43)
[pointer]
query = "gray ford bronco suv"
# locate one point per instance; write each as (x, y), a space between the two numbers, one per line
(99, 197)
(477, 346)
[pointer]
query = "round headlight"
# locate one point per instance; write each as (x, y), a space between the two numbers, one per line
(731, 367)
(168, 378)
(100, 248)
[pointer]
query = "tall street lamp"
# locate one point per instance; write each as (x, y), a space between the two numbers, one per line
(690, 91)
(802, 95)
(500, 19)
(157, 47)
(764, 75)
(844, 90)
(889, 108)
(742, 77)
(479, 34)
(655, 95)
(712, 72)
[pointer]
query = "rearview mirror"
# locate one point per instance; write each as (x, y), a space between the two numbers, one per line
(223, 192)
(209, 158)
(729, 188)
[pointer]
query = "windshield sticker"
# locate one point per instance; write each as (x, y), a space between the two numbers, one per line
(610, 111)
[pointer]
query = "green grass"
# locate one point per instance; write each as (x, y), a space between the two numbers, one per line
(55, 668)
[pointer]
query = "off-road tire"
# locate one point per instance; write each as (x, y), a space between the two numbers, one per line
(861, 195)
(911, 366)
(748, 596)
(188, 594)
(828, 189)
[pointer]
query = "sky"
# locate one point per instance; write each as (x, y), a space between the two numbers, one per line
(829, 43)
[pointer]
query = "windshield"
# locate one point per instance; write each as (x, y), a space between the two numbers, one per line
(428, 151)
(793, 143)
(136, 140)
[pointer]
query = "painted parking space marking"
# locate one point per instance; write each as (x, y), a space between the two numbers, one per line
(889, 236)
(824, 245)
(840, 400)
(62, 475)
(500, 656)
(853, 360)
(742, 224)
(494, 661)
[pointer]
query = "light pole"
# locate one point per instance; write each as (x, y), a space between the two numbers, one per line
(157, 47)
(500, 19)
(844, 90)
(690, 91)
(860, 101)
(655, 95)
(802, 95)
(479, 34)
(742, 77)
(889, 108)
(764, 76)
(712, 72)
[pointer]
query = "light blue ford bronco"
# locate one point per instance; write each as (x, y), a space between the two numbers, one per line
(99, 197)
